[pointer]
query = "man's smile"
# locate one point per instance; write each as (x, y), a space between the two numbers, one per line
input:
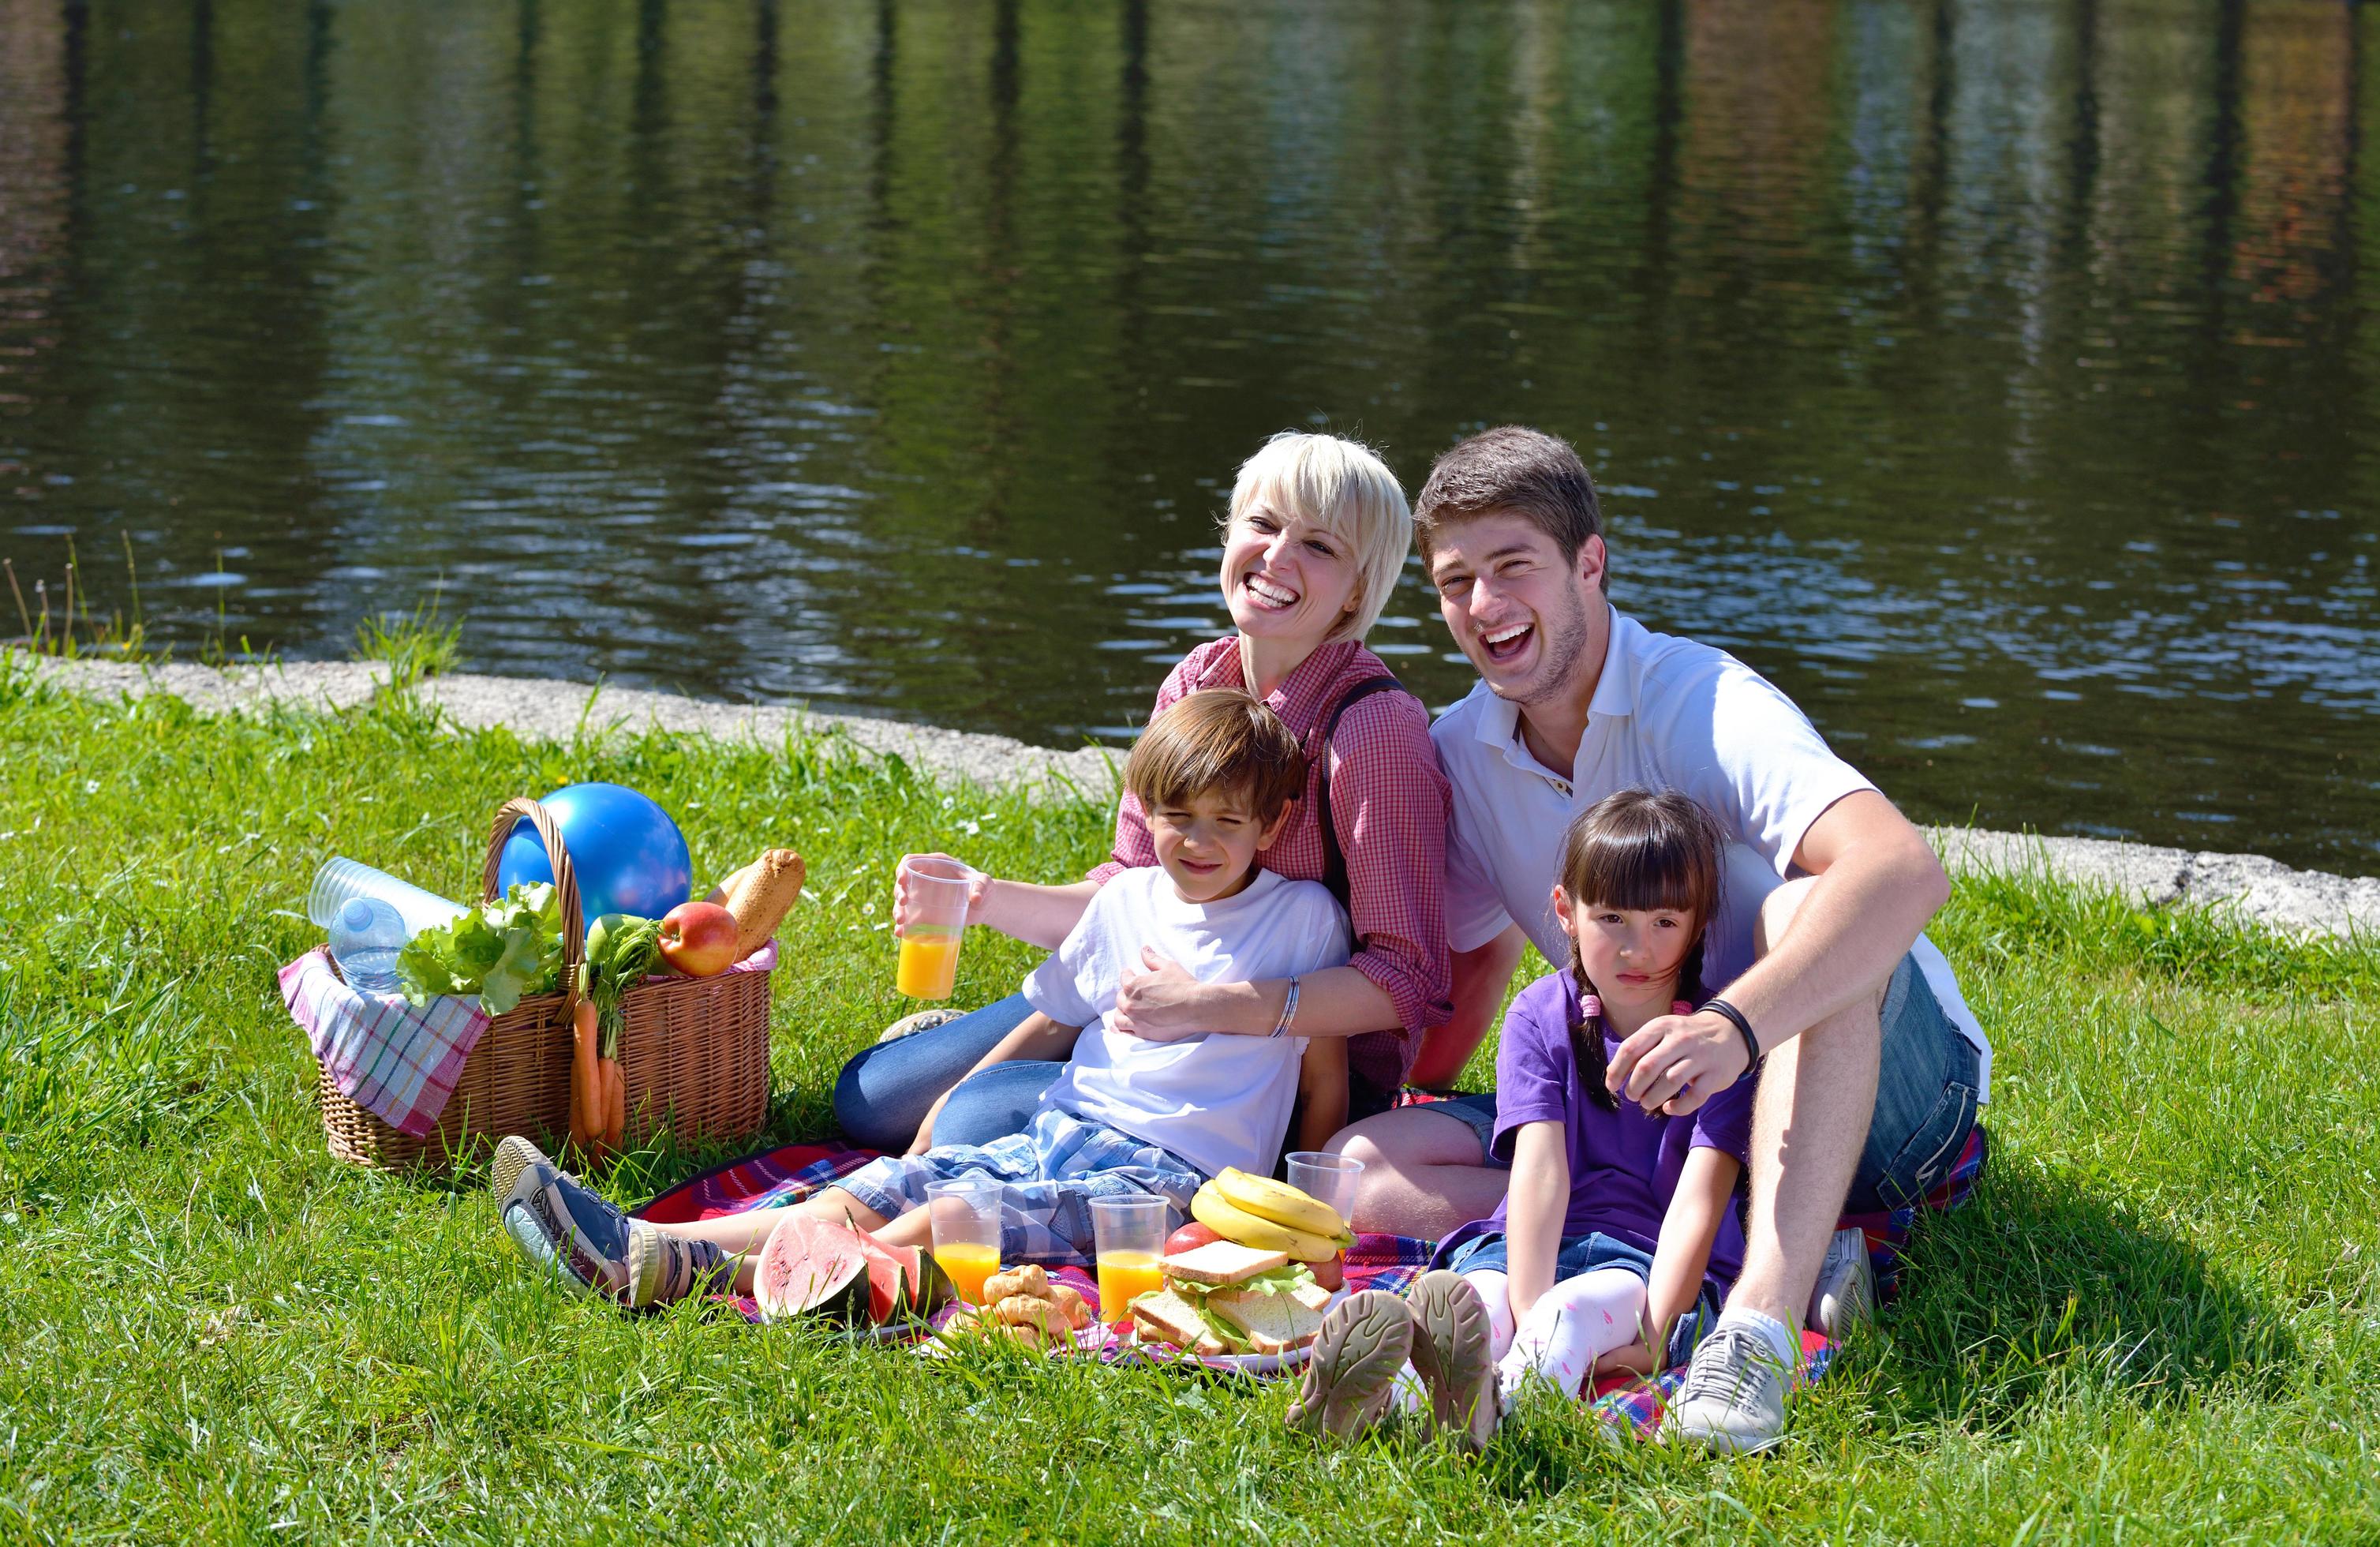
(1506, 642)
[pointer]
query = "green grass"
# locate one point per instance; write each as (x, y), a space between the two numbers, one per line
(416, 644)
(2159, 1319)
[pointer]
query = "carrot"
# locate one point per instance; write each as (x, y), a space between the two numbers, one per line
(615, 1102)
(585, 1080)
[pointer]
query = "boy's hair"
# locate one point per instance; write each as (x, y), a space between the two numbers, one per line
(1344, 488)
(1636, 849)
(1515, 470)
(1220, 741)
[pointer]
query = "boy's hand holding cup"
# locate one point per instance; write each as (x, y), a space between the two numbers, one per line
(934, 898)
(907, 897)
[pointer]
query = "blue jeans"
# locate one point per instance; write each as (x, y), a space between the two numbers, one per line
(1585, 1254)
(884, 1091)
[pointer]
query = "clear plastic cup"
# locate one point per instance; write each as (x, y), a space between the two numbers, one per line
(965, 1214)
(1327, 1178)
(1128, 1234)
(341, 880)
(930, 941)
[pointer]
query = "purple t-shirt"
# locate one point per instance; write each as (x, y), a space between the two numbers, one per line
(1624, 1166)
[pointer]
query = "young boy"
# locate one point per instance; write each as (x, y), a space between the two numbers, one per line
(1216, 774)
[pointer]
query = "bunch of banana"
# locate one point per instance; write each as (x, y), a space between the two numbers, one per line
(1270, 1216)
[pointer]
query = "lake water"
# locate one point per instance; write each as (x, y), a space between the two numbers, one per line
(2003, 380)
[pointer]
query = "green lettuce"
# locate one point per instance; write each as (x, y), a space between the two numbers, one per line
(502, 952)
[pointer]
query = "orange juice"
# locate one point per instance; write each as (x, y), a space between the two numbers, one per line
(1122, 1276)
(929, 965)
(969, 1265)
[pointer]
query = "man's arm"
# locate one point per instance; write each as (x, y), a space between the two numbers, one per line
(1480, 979)
(1878, 883)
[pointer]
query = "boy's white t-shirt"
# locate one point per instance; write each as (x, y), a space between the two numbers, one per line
(1668, 713)
(1214, 1099)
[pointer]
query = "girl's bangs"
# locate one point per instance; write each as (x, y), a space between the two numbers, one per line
(1640, 872)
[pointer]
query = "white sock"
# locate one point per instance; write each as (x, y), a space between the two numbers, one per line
(1572, 1324)
(1406, 1393)
(1495, 1293)
(1776, 1334)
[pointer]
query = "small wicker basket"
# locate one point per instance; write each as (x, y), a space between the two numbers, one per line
(694, 1055)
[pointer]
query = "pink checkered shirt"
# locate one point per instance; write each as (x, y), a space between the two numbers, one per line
(1390, 804)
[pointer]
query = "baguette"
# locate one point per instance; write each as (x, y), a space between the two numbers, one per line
(760, 895)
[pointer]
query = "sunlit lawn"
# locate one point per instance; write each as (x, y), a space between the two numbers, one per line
(2158, 1319)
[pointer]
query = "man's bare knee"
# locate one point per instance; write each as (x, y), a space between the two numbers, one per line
(1777, 911)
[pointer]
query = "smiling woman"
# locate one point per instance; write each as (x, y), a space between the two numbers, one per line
(1313, 541)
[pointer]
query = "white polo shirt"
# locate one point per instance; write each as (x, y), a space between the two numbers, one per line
(1668, 713)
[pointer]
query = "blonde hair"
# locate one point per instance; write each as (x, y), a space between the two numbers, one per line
(1344, 488)
(1220, 741)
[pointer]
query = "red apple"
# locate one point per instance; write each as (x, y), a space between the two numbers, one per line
(1190, 1238)
(699, 939)
(1331, 1274)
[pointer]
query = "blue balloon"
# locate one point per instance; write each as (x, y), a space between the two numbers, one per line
(629, 855)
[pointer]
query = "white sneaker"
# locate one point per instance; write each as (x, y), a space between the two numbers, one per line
(1733, 1399)
(1845, 1296)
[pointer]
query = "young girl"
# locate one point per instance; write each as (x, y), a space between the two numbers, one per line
(1616, 1223)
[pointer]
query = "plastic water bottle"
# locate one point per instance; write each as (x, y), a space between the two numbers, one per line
(365, 939)
(340, 880)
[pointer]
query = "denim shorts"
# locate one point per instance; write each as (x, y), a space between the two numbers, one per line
(1585, 1254)
(1047, 1177)
(1925, 1099)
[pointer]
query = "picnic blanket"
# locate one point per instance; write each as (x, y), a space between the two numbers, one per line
(397, 1063)
(1632, 1404)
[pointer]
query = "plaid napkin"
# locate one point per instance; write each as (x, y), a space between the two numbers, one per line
(397, 1063)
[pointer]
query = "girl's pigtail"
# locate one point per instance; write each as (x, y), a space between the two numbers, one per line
(1587, 1041)
(1690, 971)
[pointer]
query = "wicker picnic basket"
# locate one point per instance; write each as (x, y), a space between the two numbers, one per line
(694, 1055)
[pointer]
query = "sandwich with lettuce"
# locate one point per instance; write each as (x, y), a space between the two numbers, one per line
(1227, 1299)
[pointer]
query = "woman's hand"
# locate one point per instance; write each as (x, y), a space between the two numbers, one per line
(1163, 1002)
(904, 908)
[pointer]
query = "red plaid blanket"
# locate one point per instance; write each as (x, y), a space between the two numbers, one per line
(1389, 1263)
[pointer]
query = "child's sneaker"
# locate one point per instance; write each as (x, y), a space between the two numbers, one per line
(513, 1155)
(589, 1244)
(1452, 1351)
(1364, 1342)
(1845, 1294)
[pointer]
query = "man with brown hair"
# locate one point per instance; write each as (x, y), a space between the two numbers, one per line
(1873, 1064)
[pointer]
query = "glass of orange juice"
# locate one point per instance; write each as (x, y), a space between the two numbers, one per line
(965, 1214)
(929, 939)
(1129, 1233)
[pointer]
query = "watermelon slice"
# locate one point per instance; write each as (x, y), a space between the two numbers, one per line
(902, 1281)
(812, 1267)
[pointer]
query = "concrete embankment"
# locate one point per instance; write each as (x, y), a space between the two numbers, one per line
(2261, 889)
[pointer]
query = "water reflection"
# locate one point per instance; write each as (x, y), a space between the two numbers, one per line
(1994, 376)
